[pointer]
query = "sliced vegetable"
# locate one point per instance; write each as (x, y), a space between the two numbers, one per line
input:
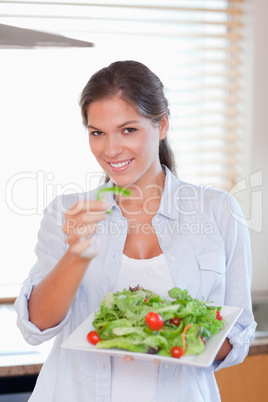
(175, 321)
(93, 337)
(122, 321)
(218, 315)
(154, 321)
(183, 338)
(176, 352)
(115, 190)
(203, 340)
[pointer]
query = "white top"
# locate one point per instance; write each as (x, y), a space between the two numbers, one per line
(143, 272)
(138, 380)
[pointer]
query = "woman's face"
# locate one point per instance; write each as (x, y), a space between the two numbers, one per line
(124, 143)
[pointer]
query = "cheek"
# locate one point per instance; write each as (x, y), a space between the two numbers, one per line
(94, 147)
(144, 144)
(151, 143)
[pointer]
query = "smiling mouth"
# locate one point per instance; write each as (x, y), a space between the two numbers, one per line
(120, 164)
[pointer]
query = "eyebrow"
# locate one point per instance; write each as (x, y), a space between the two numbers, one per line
(94, 128)
(121, 125)
(127, 123)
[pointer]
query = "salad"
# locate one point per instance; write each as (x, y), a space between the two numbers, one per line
(139, 320)
(115, 190)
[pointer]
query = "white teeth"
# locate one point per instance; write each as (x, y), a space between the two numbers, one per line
(118, 165)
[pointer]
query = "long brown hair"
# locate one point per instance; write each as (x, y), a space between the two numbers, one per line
(137, 85)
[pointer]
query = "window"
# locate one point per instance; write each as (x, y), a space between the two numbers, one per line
(199, 50)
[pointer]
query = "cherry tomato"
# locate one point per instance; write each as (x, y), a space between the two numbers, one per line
(203, 340)
(154, 321)
(176, 352)
(93, 337)
(218, 315)
(175, 321)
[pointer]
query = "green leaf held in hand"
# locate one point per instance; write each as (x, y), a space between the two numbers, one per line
(114, 190)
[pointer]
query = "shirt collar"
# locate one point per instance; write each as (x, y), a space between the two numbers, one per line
(169, 205)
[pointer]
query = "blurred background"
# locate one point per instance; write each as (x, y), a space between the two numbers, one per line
(212, 57)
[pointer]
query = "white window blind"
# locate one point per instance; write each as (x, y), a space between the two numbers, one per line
(199, 48)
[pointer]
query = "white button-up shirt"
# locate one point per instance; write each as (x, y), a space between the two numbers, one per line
(208, 253)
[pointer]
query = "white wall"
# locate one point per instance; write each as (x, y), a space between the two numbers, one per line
(259, 141)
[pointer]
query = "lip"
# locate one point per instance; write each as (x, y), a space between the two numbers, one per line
(121, 168)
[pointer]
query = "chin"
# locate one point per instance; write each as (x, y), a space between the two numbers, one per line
(121, 182)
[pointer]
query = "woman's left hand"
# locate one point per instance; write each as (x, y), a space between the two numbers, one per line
(224, 350)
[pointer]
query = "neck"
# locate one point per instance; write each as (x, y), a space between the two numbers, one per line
(146, 196)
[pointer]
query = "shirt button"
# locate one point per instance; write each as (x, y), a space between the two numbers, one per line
(172, 258)
(166, 365)
(157, 219)
(161, 235)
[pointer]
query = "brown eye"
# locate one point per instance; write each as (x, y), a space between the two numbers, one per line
(96, 133)
(129, 130)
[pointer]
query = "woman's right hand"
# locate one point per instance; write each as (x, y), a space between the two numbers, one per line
(80, 226)
(53, 296)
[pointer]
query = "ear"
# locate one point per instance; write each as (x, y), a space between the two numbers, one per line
(163, 127)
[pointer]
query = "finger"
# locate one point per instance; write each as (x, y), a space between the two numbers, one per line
(87, 230)
(81, 231)
(76, 223)
(93, 249)
(86, 205)
(85, 248)
(87, 217)
(128, 358)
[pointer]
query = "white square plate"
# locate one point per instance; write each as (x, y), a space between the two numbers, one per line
(78, 341)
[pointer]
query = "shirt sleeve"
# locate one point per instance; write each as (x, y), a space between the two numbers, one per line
(50, 248)
(238, 280)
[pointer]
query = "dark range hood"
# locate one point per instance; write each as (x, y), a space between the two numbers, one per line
(20, 38)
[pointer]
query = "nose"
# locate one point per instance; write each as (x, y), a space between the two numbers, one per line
(113, 146)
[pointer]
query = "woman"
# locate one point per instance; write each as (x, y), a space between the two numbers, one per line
(167, 233)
